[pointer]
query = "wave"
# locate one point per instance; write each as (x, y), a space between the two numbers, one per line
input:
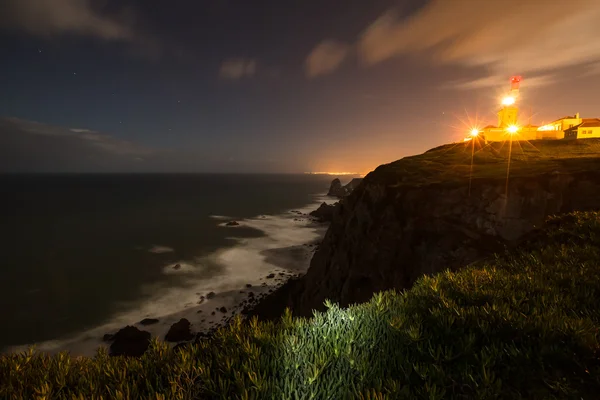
(161, 249)
(220, 217)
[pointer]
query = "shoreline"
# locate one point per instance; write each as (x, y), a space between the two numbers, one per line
(282, 254)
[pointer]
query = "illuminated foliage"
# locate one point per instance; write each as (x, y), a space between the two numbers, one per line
(523, 325)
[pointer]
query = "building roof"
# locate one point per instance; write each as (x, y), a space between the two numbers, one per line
(560, 119)
(590, 124)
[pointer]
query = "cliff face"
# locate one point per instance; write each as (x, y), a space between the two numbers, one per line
(422, 215)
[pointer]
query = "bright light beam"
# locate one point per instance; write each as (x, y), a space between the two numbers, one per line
(512, 129)
(472, 158)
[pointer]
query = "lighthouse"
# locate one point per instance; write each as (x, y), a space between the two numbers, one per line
(508, 115)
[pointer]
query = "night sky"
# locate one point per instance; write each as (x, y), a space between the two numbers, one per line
(276, 85)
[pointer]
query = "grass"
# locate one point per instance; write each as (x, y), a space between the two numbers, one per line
(452, 163)
(525, 324)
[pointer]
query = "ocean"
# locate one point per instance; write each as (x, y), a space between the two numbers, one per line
(83, 255)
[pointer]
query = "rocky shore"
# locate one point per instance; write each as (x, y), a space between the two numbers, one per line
(214, 310)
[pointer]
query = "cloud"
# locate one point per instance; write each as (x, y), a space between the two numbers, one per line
(55, 17)
(88, 138)
(326, 58)
(505, 36)
(32, 147)
(592, 70)
(499, 80)
(237, 68)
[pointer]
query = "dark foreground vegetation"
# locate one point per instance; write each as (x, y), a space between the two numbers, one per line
(522, 325)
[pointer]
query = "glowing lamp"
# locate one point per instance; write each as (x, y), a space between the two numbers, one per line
(508, 101)
(512, 129)
(474, 132)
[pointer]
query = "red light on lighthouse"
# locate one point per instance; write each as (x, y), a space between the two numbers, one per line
(515, 82)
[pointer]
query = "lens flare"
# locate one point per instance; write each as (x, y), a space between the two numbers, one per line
(508, 101)
(512, 129)
(474, 132)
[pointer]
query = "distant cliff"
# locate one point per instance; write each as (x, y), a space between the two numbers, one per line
(422, 215)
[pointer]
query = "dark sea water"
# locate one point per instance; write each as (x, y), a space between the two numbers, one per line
(76, 248)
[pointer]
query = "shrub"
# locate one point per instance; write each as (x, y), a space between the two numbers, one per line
(523, 325)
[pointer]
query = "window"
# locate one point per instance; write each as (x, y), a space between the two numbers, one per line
(571, 125)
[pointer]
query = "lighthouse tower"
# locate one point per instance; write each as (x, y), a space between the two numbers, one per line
(509, 113)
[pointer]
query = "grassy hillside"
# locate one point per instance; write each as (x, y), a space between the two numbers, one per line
(452, 163)
(523, 325)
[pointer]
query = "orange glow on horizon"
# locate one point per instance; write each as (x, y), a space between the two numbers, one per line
(333, 173)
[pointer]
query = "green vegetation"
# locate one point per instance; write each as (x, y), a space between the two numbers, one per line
(450, 164)
(523, 325)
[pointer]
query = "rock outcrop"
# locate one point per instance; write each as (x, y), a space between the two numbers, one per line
(422, 215)
(324, 213)
(337, 190)
(179, 331)
(129, 341)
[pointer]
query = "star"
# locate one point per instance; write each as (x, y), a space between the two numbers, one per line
(74, 73)
(39, 50)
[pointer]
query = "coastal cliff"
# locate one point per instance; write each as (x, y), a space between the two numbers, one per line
(428, 213)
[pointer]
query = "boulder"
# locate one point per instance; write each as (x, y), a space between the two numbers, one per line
(180, 331)
(211, 295)
(148, 321)
(324, 213)
(232, 223)
(130, 341)
(177, 266)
